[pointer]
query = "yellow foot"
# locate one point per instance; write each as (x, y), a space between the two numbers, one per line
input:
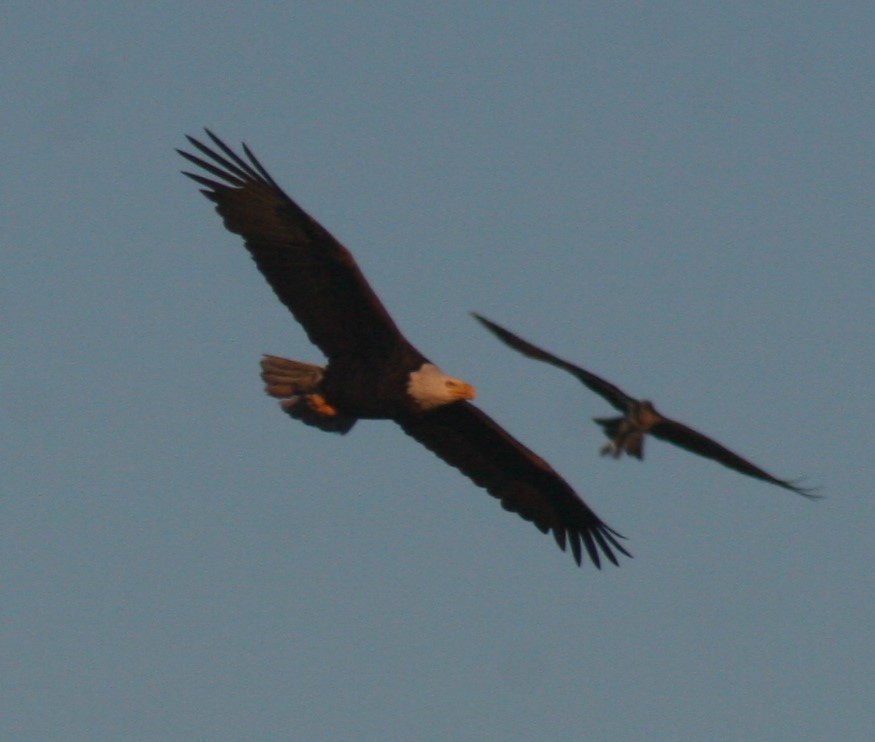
(320, 406)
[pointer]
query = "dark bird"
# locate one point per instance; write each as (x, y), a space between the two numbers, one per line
(626, 433)
(372, 371)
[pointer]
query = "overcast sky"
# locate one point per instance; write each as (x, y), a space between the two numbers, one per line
(680, 200)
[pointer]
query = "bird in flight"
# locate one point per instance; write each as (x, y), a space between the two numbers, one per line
(639, 417)
(372, 371)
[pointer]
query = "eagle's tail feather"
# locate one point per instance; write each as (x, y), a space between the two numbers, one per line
(296, 384)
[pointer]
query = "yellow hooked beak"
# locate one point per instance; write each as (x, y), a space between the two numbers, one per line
(463, 390)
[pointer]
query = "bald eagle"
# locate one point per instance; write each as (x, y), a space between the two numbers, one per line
(373, 372)
(626, 433)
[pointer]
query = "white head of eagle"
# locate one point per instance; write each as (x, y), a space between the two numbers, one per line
(430, 387)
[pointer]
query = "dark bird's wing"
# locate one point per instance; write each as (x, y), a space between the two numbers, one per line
(693, 441)
(468, 439)
(311, 272)
(615, 396)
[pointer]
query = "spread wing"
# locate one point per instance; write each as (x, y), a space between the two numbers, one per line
(615, 396)
(468, 439)
(311, 272)
(693, 441)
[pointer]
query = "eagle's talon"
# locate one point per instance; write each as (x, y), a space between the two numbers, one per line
(320, 406)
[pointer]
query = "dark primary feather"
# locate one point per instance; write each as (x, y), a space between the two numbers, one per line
(468, 439)
(615, 396)
(694, 441)
(311, 272)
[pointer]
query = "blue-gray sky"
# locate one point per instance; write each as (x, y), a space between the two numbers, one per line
(679, 199)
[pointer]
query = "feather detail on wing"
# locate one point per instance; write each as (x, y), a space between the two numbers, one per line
(315, 276)
(692, 440)
(468, 439)
(615, 396)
